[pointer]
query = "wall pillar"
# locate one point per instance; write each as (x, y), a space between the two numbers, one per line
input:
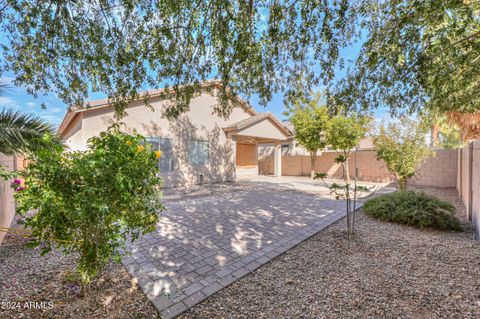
(277, 159)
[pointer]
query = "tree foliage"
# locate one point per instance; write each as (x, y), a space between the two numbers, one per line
(310, 121)
(417, 54)
(90, 202)
(73, 48)
(443, 133)
(403, 147)
(345, 133)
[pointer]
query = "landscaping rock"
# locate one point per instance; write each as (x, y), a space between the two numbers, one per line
(46, 287)
(387, 271)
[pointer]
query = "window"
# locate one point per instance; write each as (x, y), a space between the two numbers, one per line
(164, 145)
(197, 152)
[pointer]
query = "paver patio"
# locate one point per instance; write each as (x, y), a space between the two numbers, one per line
(205, 243)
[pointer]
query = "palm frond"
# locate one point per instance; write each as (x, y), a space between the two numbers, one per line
(4, 88)
(21, 132)
(469, 124)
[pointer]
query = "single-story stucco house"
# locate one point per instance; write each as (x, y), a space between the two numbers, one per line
(199, 146)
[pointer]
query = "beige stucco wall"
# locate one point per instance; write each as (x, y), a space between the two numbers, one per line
(263, 129)
(74, 136)
(465, 178)
(199, 123)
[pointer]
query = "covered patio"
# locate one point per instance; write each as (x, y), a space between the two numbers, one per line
(246, 135)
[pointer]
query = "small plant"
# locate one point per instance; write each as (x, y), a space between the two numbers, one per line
(349, 193)
(415, 209)
(90, 202)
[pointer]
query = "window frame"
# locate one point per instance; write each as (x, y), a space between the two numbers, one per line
(207, 155)
(158, 140)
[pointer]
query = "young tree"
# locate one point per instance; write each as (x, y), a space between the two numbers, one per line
(343, 135)
(90, 202)
(402, 146)
(310, 121)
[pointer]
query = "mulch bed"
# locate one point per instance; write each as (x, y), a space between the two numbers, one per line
(45, 287)
(387, 271)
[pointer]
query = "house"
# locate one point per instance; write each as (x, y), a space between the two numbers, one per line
(199, 146)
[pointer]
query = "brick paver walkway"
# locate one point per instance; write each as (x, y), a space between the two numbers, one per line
(205, 243)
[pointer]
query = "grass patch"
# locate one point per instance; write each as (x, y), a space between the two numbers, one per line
(415, 209)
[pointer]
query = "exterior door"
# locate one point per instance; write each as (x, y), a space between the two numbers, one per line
(246, 155)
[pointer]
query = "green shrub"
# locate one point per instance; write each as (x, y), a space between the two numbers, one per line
(415, 209)
(90, 202)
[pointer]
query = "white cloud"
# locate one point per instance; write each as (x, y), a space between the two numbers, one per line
(48, 117)
(5, 101)
(31, 105)
(6, 80)
(55, 110)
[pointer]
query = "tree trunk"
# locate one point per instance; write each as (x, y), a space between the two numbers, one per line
(346, 178)
(402, 183)
(313, 159)
(434, 131)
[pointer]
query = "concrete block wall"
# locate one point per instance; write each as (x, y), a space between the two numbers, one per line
(369, 168)
(476, 187)
(7, 204)
(438, 171)
(468, 184)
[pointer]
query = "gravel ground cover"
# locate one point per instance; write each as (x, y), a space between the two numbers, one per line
(29, 281)
(387, 271)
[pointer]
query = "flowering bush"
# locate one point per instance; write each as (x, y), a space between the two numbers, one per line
(17, 185)
(90, 202)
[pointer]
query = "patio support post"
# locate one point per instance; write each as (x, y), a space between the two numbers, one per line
(277, 159)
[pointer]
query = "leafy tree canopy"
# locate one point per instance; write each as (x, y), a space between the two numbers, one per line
(345, 132)
(417, 54)
(73, 48)
(310, 121)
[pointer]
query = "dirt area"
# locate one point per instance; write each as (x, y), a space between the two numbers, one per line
(387, 271)
(45, 287)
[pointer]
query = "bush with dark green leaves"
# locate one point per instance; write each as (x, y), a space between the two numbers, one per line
(90, 202)
(415, 209)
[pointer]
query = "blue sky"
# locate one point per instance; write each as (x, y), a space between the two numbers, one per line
(19, 99)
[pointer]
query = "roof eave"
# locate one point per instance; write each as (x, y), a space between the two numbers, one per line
(104, 103)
